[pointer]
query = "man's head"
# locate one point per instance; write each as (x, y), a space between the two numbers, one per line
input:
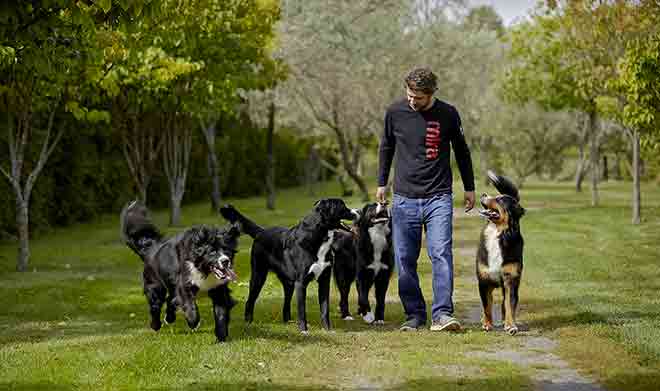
(421, 84)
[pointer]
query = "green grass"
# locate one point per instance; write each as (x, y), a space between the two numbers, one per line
(78, 319)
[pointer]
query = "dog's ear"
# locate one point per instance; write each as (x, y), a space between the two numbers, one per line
(234, 230)
(519, 211)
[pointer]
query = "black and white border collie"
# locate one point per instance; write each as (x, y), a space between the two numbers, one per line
(365, 255)
(297, 255)
(500, 254)
(176, 269)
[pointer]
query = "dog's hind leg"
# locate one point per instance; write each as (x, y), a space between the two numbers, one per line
(301, 297)
(486, 294)
(155, 293)
(222, 304)
(257, 279)
(288, 294)
(324, 298)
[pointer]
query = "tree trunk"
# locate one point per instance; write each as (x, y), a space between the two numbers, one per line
(270, 169)
(636, 201)
(210, 133)
(582, 165)
(483, 161)
(594, 157)
(22, 223)
(175, 210)
(176, 159)
(605, 169)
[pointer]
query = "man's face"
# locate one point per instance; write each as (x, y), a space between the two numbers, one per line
(418, 100)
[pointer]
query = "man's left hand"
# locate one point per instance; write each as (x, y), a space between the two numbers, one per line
(469, 201)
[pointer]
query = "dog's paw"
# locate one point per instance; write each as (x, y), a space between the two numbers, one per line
(379, 322)
(196, 327)
(156, 324)
(304, 333)
(487, 326)
(348, 317)
(512, 330)
(369, 317)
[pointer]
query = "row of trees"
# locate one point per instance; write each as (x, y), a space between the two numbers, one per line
(154, 72)
(153, 75)
(598, 59)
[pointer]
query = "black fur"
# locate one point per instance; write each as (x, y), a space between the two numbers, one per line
(168, 276)
(289, 253)
(503, 213)
(354, 260)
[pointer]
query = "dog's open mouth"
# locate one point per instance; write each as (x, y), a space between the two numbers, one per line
(378, 220)
(224, 273)
(490, 214)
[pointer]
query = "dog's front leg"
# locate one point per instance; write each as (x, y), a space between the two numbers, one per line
(301, 297)
(186, 299)
(222, 304)
(364, 282)
(382, 282)
(324, 298)
(486, 294)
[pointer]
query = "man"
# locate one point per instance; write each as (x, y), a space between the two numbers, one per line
(418, 132)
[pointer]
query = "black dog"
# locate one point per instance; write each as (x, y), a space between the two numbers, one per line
(176, 269)
(296, 255)
(500, 253)
(365, 255)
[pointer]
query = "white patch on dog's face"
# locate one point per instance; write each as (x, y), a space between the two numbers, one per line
(495, 260)
(204, 283)
(378, 234)
(319, 266)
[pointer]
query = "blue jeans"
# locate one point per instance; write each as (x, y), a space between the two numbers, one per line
(409, 216)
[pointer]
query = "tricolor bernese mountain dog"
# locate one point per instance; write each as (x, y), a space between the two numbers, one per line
(297, 255)
(365, 255)
(500, 254)
(176, 269)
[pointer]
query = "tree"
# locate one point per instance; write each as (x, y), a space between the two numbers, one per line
(338, 61)
(46, 50)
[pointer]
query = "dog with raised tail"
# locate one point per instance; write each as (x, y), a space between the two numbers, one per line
(297, 255)
(176, 269)
(499, 262)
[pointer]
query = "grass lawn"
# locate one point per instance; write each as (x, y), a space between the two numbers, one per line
(591, 283)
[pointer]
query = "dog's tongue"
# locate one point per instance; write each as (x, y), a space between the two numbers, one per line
(231, 274)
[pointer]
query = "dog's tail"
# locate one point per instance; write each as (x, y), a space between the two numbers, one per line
(137, 230)
(246, 225)
(504, 185)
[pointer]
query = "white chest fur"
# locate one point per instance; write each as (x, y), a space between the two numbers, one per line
(204, 283)
(378, 235)
(492, 237)
(319, 266)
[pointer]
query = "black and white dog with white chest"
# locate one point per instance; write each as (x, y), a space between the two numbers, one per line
(176, 269)
(365, 256)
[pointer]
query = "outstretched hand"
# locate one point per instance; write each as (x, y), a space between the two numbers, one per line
(469, 200)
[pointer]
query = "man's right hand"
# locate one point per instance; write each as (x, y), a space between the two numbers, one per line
(381, 194)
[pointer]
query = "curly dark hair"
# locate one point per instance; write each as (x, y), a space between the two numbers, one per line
(422, 80)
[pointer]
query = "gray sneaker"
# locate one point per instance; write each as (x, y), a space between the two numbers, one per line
(447, 323)
(412, 324)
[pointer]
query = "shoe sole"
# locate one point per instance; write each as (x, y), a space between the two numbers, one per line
(408, 328)
(449, 326)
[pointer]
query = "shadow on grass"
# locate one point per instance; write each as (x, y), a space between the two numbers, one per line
(430, 383)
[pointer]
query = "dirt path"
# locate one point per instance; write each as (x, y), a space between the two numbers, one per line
(550, 372)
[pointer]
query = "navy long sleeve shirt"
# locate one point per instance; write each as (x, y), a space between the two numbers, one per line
(419, 143)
